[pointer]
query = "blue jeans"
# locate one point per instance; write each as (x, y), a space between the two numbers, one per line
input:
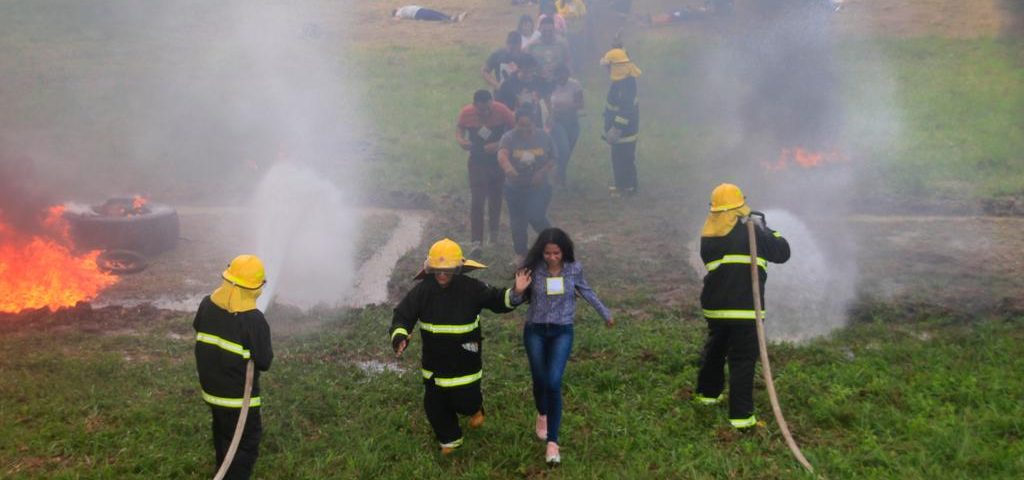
(527, 206)
(548, 347)
(565, 134)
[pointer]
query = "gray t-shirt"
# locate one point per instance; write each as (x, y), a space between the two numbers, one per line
(563, 97)
(527, 155)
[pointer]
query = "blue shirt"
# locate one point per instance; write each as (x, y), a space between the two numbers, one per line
(553, 298)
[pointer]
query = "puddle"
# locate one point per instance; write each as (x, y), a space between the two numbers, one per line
(376, 367)
(373, 275)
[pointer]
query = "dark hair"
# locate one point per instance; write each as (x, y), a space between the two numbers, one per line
(514, 38)
(547, 19)
(482, 96)
(562, 69)
(525, 110)
(524, 18)
(526, 61)
(553, 235)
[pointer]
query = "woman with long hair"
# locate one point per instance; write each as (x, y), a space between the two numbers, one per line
(548, 334)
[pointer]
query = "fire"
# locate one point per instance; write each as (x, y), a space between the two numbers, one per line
(138, 202)
(41, 271)
(798, 156)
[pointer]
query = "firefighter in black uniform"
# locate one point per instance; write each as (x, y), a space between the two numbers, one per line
(447, 306)
(230, 332)
(622, 120)
(728, 304)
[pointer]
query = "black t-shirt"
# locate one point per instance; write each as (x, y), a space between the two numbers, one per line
(502, 62)
(515, 92)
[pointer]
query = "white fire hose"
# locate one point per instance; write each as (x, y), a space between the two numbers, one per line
(766, 368)
(240, 426)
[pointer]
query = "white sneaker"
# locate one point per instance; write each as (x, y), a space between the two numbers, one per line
(551, 457)
(460, 17)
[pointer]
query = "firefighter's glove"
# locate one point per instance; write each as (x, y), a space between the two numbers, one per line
(759, 219)
(613, 135)
(399, 342)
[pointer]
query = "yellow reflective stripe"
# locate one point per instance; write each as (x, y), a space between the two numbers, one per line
(426, 373)
(224, 344)
(399, 331)
(611, 107)
(508, 298)
(621, 121)
(732, 314)
(744, 422)
(741, 259)
(453, 382)
(455, 444)
(708, 400)
(230, 402)
(451, 329)
(631, 138)
(776, 234)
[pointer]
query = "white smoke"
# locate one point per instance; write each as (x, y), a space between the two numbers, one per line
(305, 234)
(807, 296)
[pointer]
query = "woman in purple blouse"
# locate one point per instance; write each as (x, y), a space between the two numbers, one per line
(548, 334)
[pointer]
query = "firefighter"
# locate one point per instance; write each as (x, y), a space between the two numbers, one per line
(622, 120)
(230, 332)
(727, 301)
(447, 305)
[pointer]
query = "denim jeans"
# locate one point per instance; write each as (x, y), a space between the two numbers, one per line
(548, 347)
(565, 134)
(527, 205)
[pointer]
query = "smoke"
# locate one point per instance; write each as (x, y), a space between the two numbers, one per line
(776, 82)
(191, 102)
(305, 233)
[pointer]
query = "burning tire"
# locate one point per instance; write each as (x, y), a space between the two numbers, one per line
(125, 224)
(121, 262)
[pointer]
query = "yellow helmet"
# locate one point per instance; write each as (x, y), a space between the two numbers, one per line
(615, 56)
(726, 197)
(446, 255)
(245, 271)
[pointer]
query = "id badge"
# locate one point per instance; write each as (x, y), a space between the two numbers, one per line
(484, 132)
(556, 286)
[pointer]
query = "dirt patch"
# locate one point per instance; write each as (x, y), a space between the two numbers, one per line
(85, 319)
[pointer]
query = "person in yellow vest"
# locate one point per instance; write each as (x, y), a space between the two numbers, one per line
(727, 300)
(230, 332)
(447, 305)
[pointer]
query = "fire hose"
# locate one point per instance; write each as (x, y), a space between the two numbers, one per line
(766, 368)
(240, 426)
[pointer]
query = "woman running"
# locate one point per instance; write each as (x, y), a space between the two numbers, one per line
(548, 333)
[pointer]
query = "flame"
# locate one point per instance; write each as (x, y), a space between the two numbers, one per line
(798, 156)
(138, 202)
(39, 271)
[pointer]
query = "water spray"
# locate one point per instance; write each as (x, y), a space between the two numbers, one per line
(766, 368)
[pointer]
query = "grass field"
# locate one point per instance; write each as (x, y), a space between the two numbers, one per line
(910, 389)
(880, 400)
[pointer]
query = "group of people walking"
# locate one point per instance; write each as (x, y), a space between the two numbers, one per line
(526, 126)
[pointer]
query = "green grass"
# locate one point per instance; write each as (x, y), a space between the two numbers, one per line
(905, 395)
(882, 399)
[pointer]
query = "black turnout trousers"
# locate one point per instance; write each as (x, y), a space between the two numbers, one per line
(224, 421)
(735, 341)
(444, 405)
